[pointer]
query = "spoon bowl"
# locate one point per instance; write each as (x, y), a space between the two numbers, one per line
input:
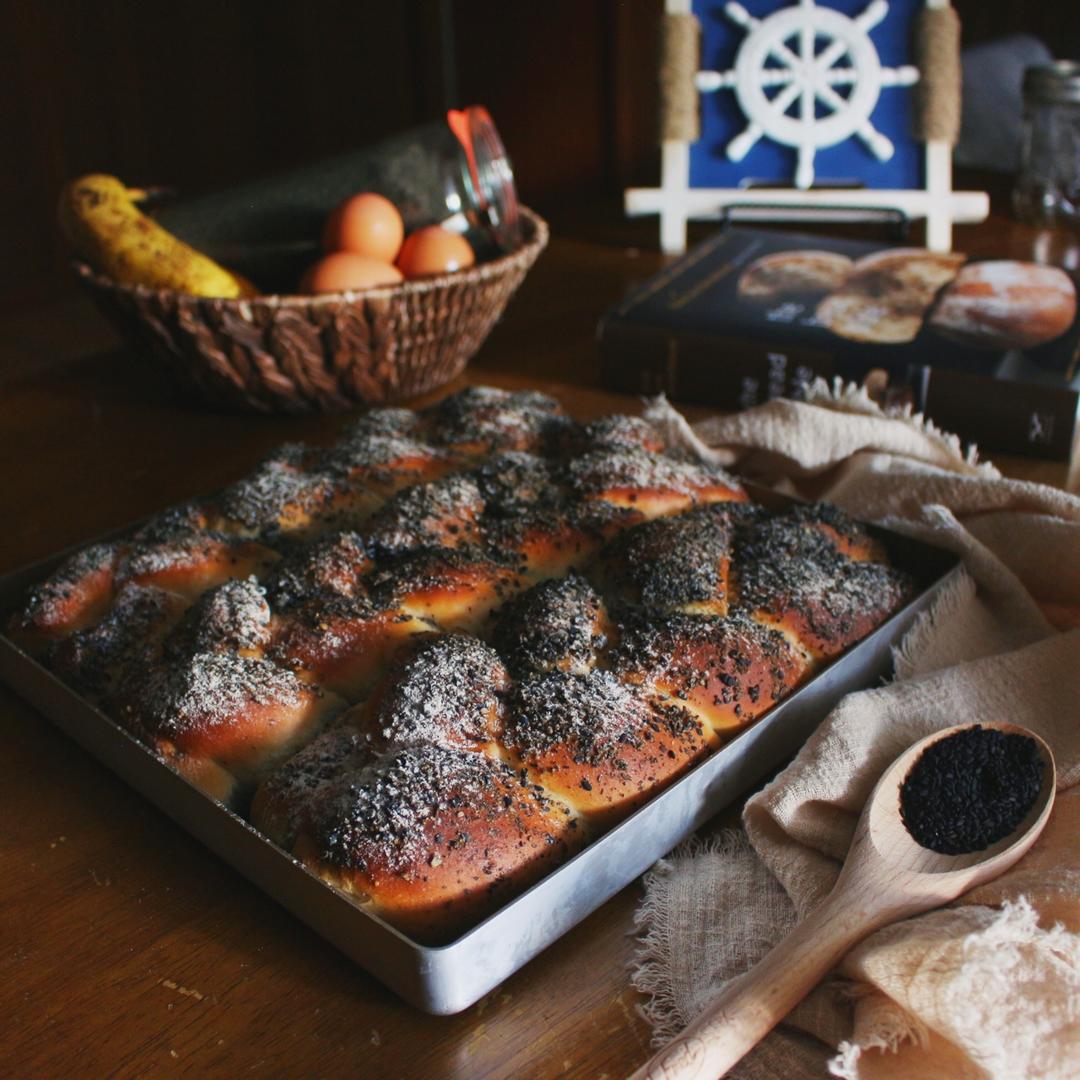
(886, 876)
(882, 844)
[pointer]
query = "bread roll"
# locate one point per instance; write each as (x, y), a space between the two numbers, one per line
(676, 563)
(450, 588)
(232, 617)
(77, 595)
(339, 642)
(483, 420)
(243, 714)
(335, 564)
(433, 839)
(597, 742)
(191, 564)
(102, 657)
(633, 484)
(374, 460)
(792, 575)
(442, 690)
(618, 432)
(441, 513)
(726, 671)
(561, 624)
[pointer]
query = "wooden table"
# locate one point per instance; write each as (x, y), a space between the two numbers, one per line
(128, 949)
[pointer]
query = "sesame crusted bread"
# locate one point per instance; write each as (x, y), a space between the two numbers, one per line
(433, 839)
(436, 657)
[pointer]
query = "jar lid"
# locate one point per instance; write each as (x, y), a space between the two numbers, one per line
(490, 175)
(1053, 84)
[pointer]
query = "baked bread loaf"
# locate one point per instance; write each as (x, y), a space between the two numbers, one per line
(1003, 304)
(887, 295)
(437, 657)
(794, 275)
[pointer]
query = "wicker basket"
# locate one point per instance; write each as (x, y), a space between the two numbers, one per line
(295, 354)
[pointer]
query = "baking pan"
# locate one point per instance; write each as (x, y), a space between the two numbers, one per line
(449, 978)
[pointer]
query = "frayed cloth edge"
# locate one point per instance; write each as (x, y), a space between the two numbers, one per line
(908, 656)
(650, 966)
(844, 396)
(1015, 922)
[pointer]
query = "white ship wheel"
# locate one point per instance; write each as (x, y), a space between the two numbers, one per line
(781, 57)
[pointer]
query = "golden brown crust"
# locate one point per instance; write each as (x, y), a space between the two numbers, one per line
(375, 459)
(596, 742)
(1001, 304)
(620, 432)
(678, 563)
(482, 420)
(194, 563)
(335, 564)
(102, 657)
(241, 713)
(340, 642)
(441, 513)
(454, 590)
(650, 485)
(726, 671)
(886, 297)
(283, 803)
(434, 839)
(76, 596)
(792, 573)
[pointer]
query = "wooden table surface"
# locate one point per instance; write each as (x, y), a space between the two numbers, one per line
(125, 947)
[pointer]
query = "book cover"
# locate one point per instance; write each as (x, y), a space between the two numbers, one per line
(751, 314)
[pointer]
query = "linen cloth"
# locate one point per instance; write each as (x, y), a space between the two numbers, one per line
(989, 986)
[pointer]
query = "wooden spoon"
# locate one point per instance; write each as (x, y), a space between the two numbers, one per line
(886, 877)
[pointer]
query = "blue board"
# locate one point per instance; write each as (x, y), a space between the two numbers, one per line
(722, 119)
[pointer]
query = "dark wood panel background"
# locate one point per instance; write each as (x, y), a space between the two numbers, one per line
(197, 93)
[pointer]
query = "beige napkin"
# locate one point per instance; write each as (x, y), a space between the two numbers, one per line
(991, 985)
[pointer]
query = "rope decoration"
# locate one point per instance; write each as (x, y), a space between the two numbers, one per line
(680, 52)
(937, 94)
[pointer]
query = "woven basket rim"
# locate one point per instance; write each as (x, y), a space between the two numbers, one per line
(536, 238)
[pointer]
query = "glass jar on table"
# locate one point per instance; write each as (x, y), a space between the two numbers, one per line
(1047, 190)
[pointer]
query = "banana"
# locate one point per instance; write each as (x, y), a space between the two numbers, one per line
(99, 218)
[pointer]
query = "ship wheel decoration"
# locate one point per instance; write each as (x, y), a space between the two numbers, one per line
(808, 77)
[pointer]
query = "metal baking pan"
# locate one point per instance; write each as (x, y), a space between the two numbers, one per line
(449, 978)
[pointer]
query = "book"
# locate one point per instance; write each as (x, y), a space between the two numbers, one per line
(751, 314)
(685, 366)
(1019, 409)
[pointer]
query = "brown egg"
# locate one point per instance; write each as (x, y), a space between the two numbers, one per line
(365, 224)
(344, 270)
(434, 250)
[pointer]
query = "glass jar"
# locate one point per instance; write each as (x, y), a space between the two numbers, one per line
(1047, 191)
(454, 172)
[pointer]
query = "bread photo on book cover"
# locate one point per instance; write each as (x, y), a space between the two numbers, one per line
(794, 275)
(1003, 304)
(888, 294)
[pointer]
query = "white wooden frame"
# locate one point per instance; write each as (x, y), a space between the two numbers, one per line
(676, 202)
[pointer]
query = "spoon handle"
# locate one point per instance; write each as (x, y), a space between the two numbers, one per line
(753, 1003)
